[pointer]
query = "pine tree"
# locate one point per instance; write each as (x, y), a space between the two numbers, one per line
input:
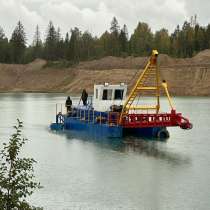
(104, 44)
(59, 45)
(37, 44)
(162, 41)
(114, 26)
(87, 46)
(58, 34)
(75, 45)
(175, 42)
(2, 35)
(141, 40)
(200, 41)
(66, 46)
(67, 38)
(51, 42)
(114, 37)
(123, 39)
(4, 48)
(186, 40)
(18, 43)
(208, 36)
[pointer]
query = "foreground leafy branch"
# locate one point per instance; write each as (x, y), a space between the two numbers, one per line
(16, 174)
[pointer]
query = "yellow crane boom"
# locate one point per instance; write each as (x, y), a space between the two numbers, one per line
(149, 80)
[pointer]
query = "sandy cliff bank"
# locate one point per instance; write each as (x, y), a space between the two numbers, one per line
(189, 76)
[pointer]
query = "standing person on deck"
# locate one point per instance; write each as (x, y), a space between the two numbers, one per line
(84, 97)
(68, 104)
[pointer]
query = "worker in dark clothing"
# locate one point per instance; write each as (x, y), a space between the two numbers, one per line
(68, 104)
(84, 97)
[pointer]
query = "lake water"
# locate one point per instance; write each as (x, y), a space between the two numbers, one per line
(81, 173)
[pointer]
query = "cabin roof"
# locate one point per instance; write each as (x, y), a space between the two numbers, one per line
(122, 85)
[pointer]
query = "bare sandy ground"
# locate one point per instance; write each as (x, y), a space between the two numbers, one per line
(189, 76)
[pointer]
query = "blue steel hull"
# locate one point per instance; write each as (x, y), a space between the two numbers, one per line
(93, 129)
(97, 130)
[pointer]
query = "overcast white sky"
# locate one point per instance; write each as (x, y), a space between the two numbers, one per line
(95, 15)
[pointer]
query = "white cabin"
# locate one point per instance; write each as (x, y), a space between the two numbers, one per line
(107, 95)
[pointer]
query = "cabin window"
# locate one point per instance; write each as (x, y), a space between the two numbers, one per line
(96, 93)
(118, 94)
(107, 94)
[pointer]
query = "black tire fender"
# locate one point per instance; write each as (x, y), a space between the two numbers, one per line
(163, 134)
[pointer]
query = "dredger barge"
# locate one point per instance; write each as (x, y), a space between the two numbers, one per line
(111, 114)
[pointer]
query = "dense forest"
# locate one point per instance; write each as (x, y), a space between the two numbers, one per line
(77, 46)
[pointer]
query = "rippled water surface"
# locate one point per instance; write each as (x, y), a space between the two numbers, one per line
(93, 174)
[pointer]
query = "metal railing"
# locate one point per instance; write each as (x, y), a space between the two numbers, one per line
(87, 115)
(59, 108)
(92, 116)
(156, 120)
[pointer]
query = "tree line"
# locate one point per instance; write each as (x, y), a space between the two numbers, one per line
(185, 41)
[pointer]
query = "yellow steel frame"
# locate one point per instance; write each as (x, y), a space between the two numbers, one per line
(165, 86)
(150, 72)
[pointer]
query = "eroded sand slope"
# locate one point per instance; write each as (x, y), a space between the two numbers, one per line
(189, 76)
